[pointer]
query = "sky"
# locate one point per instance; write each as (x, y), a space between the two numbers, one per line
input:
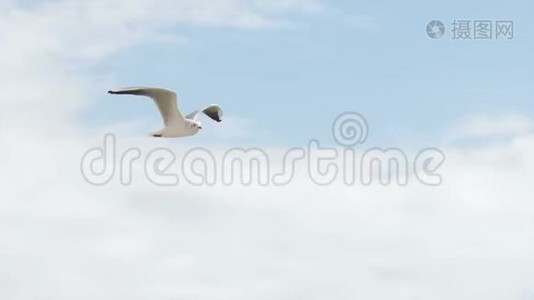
(282, 71)
(374, 58)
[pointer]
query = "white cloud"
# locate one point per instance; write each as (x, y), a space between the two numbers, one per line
(65, 239)
(289, 5)
(483, 126)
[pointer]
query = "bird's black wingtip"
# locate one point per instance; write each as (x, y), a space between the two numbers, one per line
(111, 92)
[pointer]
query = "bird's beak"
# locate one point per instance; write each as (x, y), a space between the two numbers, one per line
(199, 127)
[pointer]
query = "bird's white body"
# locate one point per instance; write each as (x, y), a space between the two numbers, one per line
(176, 125)
(179, 130)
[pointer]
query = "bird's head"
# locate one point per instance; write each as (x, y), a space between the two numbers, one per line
(195, 125)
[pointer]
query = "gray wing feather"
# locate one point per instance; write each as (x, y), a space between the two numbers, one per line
(213, 111)
(166, 101)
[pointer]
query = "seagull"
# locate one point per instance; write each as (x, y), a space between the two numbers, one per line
(167, 102)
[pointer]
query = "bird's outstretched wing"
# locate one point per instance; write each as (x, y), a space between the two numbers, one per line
(166, 100)
(213, 111)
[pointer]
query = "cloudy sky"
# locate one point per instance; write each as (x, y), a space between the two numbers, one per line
(282, 71)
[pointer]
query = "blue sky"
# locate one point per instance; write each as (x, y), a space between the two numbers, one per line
(468, 238)
(371, 57)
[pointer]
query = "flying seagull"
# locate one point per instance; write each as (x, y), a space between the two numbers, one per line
(167, 102)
